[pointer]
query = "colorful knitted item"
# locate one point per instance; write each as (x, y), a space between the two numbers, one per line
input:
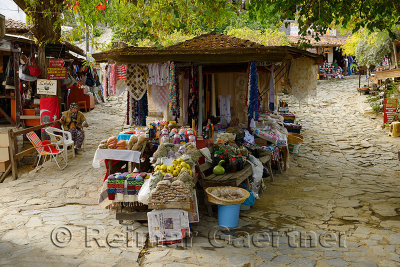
(253, 100)
(120, 186)
(131, 191)
(173, 92)
(111, 186)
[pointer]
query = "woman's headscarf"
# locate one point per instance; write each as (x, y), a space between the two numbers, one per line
(73, 105)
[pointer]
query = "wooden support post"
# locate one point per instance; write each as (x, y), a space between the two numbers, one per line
(13, 160)
(18, 104)
(213, 100)
(201, 93)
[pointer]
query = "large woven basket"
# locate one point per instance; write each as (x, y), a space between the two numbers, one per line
(222, 201)
(295, 139)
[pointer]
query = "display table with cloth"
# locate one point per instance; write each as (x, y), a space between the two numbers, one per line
(115, 154)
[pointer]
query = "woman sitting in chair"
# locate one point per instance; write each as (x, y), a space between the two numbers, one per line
(73, 121)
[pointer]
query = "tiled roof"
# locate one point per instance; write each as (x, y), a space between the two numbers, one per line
(324, 41)
(13, 26)
(214, 40)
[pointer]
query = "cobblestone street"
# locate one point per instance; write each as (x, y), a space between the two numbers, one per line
(342, 191)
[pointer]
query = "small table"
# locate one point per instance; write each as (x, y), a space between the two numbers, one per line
(229, 179)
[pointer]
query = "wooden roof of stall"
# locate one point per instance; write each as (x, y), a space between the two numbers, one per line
(324, 41)
(206, 48)
(385, 74)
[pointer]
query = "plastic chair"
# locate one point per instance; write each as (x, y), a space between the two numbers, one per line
(61, 138)
(46, 149)
(83, 143)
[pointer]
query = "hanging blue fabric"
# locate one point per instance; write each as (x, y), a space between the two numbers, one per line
(253, 100)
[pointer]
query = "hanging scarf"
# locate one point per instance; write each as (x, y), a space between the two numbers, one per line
(128, 109)
(139, 110)
(136, 80)
(173, 91)
(193, 107)
(253, 98)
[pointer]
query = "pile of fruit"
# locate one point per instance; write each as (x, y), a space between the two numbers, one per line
(178, 166)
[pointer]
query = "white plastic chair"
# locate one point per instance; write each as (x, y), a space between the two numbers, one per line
(61, 138)
(83, 143)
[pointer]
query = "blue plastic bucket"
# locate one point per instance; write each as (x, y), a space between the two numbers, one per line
(228, 215)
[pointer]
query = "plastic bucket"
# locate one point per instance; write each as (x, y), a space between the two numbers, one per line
(294, 148)
(228, 215)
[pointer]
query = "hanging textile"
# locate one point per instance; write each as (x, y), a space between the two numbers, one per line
(128, 109)
(253, 95)
(193, 108)
(113, 77)
(121, 79)
(271, 95)
(136, 80)
(173, 92)
(158, 74)
(139, 111)
(159, 94)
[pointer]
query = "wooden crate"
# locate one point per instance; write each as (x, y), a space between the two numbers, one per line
(4, 154)
(172, 205)
(4, 139)
(4, 165)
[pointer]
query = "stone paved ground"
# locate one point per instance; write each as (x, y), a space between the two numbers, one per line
(337, 205)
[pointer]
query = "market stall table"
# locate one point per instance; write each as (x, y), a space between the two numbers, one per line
(115, 154)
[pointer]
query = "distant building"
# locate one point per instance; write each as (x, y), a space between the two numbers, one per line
(329, 44)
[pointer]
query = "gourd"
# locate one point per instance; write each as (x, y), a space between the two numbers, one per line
(112, 142)
(219, 170)
(132, 141)
(121, 144)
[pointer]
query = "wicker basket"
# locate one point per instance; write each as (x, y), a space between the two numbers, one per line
(295, 139)
(223, 201)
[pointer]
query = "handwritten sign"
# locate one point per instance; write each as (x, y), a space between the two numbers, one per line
(56, 73)
(46, 87)
(389, 109)
(56, 62)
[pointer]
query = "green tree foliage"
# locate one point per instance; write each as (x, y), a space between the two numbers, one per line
(322, 15)
(267, 37)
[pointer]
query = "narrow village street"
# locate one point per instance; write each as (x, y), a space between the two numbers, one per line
(338, 204)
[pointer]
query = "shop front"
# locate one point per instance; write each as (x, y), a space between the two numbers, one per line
(203, 121)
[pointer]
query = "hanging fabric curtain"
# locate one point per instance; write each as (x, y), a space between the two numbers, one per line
(159, 94)
(173, 92)
(193, 107)
(136, 80)
(253, 105)
(271, 97)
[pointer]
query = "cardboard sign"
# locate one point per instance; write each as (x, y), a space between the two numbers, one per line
(389, 109)
(46, 87)
(56, 73)
(56, 62)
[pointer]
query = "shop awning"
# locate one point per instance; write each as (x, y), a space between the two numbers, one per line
(382, 75)
(207, 48)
